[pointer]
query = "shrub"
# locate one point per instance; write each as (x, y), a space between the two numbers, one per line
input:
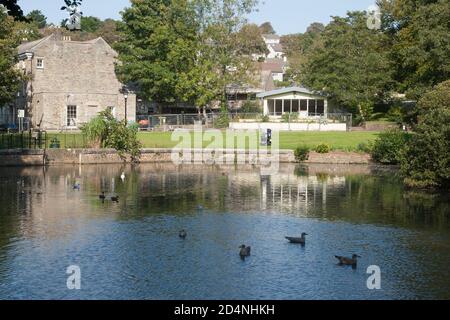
(286, 117)
(425, 162)
(250, 106)
(223, 121)
(364, 147)
(387, 148)
(395, 114)
(323, 148)
(104, 131)
(265, 118)
(357, 120)
(301, 153)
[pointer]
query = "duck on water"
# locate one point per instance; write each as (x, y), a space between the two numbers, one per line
(245, 251)
(301, 240)
(344, 261)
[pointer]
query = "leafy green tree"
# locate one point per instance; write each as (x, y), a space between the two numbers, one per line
(267, 28)
(426, 160)
(298, 47)
(10, 77)
(157, 46)
(250, 40)
(38, 18)
(91, 24)
(229, 60)
(27, 31)
(419, 32)
(350, 64)
(108, 31)
(14, 9)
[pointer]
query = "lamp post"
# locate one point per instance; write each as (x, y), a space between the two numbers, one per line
(126, 101)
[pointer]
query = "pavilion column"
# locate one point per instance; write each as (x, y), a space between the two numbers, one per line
(307, 107)
(325, 108)
(282, 110)
(266, 107)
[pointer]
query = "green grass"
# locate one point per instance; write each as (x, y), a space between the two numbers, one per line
(344, 141)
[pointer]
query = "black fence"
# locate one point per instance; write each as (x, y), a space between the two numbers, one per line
(23, 140)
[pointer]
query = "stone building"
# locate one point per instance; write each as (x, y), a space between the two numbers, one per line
(70, 82)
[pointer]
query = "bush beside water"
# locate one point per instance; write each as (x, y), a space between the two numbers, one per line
(388, 147)
(301, 153)
(323, 148)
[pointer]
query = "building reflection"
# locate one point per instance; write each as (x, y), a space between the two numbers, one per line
(42, 202)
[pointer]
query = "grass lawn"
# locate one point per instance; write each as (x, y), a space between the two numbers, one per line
(345, 141)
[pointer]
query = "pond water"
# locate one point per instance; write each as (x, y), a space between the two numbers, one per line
(131, 249)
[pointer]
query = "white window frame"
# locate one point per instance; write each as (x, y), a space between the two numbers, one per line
(42, 63)
(74, 119)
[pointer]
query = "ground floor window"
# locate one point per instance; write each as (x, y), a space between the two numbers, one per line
(71, 116)
(278, 107)
(303, 105)
(320, 107)
(316, 107)
(295, 106)
(313, 107)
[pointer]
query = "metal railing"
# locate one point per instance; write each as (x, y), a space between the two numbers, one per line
(169, 122)
(23, 140)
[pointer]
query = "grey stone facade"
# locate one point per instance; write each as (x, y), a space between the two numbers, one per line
(70, 79)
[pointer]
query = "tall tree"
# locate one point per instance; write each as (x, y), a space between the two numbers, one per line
(420, 32)
(297, 47)
(222, 48)
(350, 64)
(108, 31)
(91, 24)
(426, 158)
(10, 76)
(38, 18)
(250, 40)
(158, 44)
(267, 28)
(14, 9)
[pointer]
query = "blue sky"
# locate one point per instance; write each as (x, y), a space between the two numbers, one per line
(287, 16)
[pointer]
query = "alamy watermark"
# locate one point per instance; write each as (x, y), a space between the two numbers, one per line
(74, 280)
(374, 280)
(227, 147)
(374, 17)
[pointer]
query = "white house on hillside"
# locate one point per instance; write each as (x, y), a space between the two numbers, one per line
(274, 46)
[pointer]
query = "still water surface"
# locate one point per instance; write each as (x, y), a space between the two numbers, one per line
(131, 250)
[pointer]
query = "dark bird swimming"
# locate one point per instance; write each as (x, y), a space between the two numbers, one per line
(344, 261)
(301, 240)
(245, 251)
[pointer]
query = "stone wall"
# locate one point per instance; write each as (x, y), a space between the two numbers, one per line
(110, 156)
(21, 158)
